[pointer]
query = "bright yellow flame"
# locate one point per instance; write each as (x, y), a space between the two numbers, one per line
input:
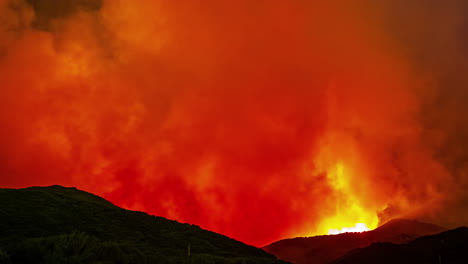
(349, 215)
(346, 205)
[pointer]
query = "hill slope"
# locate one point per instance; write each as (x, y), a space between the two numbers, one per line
(447, 247)
(64, 225)
(324, 249)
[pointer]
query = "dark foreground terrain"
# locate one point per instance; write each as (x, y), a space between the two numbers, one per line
(65, 225)
(326, 249)
(450, 247)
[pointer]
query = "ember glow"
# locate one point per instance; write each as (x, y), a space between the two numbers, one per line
(259, 120)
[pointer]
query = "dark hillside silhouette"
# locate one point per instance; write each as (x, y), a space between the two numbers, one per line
(449, 247)
(324, 249)
(65, 225)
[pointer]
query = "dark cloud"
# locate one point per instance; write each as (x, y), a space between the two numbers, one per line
(46, 11)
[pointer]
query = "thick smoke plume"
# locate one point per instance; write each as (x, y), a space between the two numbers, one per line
(256, 119)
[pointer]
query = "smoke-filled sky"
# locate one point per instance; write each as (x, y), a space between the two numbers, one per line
(258, 119)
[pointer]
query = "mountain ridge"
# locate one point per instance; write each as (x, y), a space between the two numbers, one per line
(446, 247)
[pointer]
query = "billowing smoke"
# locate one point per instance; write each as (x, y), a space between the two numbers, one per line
(256, 119)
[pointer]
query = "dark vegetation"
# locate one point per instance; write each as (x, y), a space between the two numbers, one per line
(450, 247)
(325, 249)
(64, 225)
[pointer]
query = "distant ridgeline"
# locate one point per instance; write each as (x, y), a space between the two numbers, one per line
(398, 241)
(450, 247)
(64, 225)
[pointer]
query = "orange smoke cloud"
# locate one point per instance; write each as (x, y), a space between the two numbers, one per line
(259, 120)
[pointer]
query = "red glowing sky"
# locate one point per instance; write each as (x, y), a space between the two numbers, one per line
(259, 120)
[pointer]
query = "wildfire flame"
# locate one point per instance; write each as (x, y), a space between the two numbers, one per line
(349, 208)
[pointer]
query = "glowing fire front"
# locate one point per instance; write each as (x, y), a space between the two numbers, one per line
(358, 228)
